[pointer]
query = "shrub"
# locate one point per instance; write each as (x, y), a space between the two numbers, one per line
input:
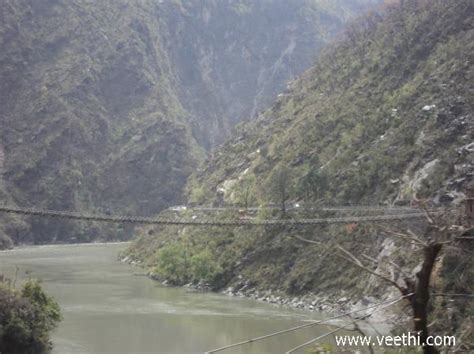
(172, 264)
(204, 268)
(176, 264)
(26, 319)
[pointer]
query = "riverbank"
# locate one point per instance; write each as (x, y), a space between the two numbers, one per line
(384, 320)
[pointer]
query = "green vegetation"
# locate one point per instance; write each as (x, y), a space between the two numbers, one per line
(26, 318)
(313, 182)
(279, 186)
(244, 191)
(179, 265)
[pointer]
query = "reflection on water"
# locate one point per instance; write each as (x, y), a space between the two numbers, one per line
(109, 310)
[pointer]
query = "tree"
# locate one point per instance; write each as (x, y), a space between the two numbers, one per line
(173, 263)
(314, 182)
(26, 319)
(245, 190)
(279, 185)
(413, 284)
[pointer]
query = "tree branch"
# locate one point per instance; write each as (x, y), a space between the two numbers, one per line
(354, 260)
(389, 262)
(410, 237)
(306, 240)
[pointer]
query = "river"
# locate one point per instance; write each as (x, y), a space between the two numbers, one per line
(108, 309)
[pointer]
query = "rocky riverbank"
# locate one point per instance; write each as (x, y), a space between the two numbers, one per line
(322, 303)
(327, 304)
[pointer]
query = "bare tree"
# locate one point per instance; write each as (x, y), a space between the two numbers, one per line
(415, 286)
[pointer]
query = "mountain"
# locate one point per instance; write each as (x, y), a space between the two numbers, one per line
(234, 57)
(386, 113)
(109, 106)
(385, 117)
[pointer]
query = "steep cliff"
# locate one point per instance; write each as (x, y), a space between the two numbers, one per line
(234, 57)
(110, 105)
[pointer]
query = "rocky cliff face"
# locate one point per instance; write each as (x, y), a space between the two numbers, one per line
(234, 57)
(110, 105)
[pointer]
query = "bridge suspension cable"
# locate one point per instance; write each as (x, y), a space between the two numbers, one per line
(206, 221)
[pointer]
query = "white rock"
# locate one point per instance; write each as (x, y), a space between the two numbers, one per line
(428, 107)
(342, 299)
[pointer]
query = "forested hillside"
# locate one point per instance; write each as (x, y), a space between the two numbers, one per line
(110, 105)
(385, 116)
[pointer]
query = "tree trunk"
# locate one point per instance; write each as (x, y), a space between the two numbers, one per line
(421, 297)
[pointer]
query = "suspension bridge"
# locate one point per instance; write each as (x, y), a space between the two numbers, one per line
(385, 214)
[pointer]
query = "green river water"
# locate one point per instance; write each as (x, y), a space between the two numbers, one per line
(108, 309)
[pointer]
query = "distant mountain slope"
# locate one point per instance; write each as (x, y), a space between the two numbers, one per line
(233, 57)
(88, 100)
(387, 112)
(109, 105)
(385, 115)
